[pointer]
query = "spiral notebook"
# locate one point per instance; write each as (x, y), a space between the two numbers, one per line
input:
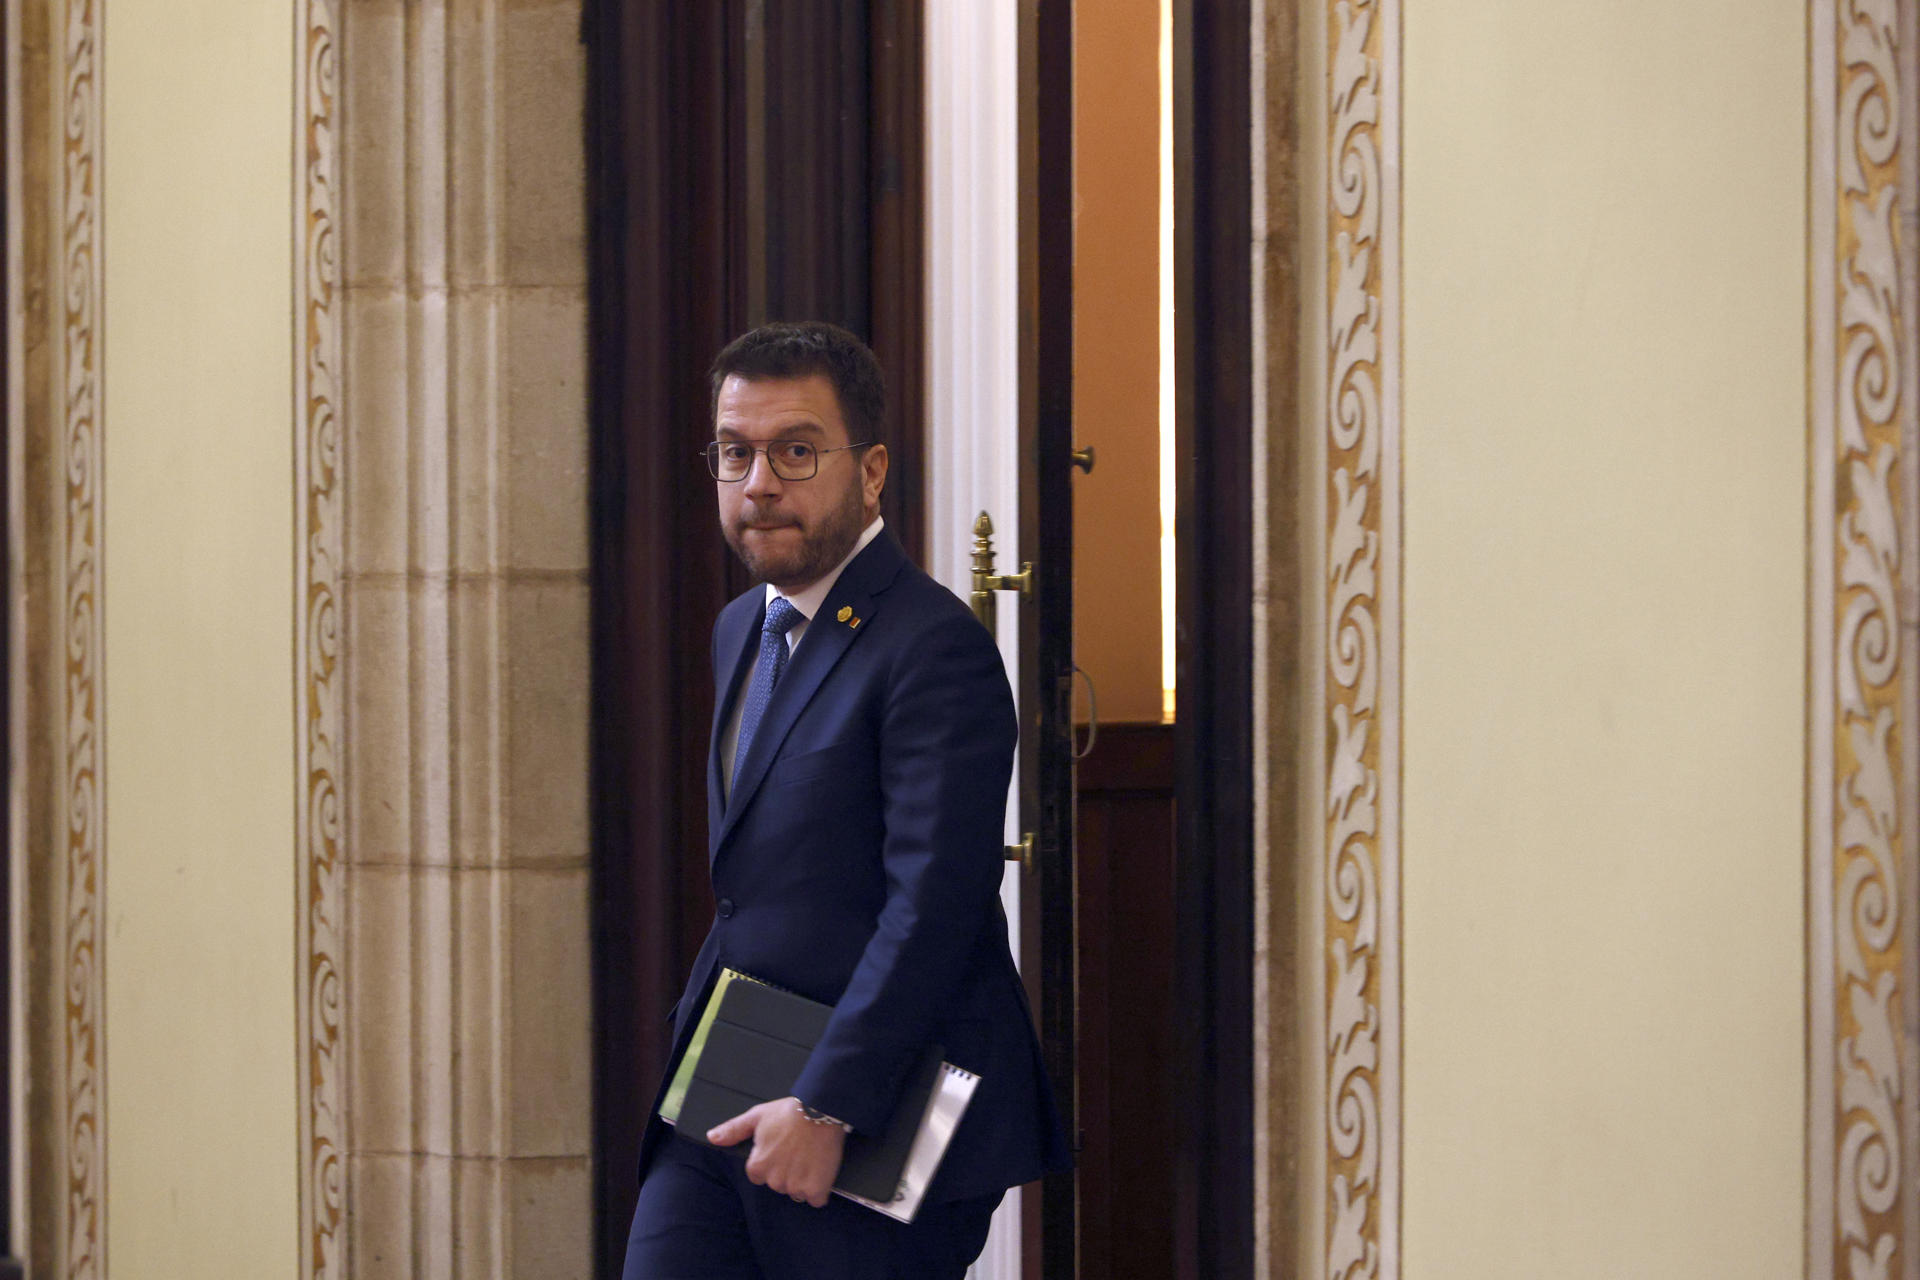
(752, 1043)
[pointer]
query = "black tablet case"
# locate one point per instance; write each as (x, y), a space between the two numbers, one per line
(758, 1045)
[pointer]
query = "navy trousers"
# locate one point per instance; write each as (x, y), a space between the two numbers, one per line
(699, 1218)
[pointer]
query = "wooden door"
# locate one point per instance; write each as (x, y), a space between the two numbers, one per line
(1143, 916)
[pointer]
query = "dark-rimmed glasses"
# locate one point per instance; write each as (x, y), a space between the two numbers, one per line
(731, 460)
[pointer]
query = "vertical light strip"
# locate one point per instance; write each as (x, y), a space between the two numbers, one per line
(1264, 369)
(1821, 375)
(1167, 508)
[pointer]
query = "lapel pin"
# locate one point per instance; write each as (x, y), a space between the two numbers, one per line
(852, 622)
(846, 611)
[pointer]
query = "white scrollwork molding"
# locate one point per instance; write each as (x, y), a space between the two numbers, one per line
(1361, 871)
(1861, 892)
(84, 1049)
(322, 885)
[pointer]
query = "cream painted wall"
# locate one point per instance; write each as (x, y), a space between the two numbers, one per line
(201, 1119)
(1605, 453)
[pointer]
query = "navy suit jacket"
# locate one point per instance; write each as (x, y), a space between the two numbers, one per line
(857, 860)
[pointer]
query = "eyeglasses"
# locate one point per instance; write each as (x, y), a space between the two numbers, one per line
(731, 460)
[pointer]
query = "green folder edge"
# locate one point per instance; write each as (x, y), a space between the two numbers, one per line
(683, 1076)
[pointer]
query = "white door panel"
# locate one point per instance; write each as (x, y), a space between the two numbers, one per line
(973, 389)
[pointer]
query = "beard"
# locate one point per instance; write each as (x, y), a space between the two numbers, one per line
(820, 546)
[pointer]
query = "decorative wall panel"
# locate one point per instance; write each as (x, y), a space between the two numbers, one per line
(1862, 783)
(1361, 854)
(317, 330)
(84, 938)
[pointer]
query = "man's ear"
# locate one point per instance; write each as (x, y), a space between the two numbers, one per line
(873, 475)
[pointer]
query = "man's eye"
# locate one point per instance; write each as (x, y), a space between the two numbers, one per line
(735, 454)
(795, 452)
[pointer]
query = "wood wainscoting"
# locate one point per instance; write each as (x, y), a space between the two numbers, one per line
(1128, 1113)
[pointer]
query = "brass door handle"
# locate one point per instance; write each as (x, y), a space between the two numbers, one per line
(1083, 459)
(1022, 853)
(1093, 715)
(986, 581)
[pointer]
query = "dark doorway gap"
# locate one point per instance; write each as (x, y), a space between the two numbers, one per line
(747, 162)
(1213, 885)
(685, 185)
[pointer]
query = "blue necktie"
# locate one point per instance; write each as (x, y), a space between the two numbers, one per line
(781, 618)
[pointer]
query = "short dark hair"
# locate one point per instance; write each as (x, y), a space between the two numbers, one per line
(800, 350)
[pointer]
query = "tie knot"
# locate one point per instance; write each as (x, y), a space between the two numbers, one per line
(781, 617)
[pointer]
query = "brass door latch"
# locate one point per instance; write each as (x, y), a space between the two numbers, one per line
(986, 581)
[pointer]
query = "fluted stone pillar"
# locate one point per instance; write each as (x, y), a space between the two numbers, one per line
(466, 655)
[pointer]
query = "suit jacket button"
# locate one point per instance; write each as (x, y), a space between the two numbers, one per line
(724, 908)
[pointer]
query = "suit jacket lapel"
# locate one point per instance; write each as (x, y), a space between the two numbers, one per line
(820, 650)
(736, 643)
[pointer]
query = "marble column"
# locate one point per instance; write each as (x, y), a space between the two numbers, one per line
(465, 588)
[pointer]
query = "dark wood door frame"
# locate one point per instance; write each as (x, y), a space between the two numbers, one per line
(10, 1266)
(1046, 630)
(1213, 880)
(663, 299)
(747, 162)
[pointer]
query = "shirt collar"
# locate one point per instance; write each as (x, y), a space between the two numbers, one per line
(808, 602)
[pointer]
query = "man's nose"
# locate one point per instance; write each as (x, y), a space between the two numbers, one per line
(761, 478)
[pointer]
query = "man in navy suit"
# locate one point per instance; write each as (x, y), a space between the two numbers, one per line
(862, 743)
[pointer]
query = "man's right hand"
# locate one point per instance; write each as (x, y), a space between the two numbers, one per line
(791, 1154)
